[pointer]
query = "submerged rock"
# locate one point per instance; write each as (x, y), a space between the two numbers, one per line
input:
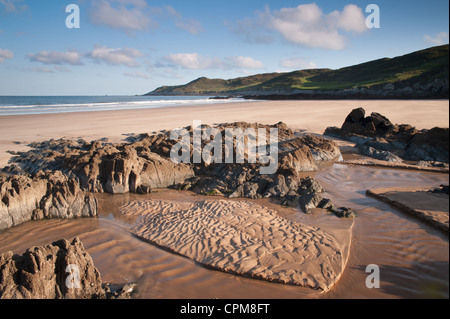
(378, 154)
(344, 212)
(443, 189)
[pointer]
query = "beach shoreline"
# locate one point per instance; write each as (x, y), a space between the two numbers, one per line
(16, 131)
(344, 185)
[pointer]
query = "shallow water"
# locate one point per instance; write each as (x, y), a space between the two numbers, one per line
(412, 257)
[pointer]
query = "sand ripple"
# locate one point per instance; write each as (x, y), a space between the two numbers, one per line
(242, 238)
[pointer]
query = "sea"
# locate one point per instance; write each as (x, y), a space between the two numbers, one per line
(21, 105)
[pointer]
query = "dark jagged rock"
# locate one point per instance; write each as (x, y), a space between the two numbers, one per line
(377, 137)
(309, 201)
(443, 189)
(344, 212)
(326, 203)
(355, 116)
(429, 145)
(310, 185)
(375, 124)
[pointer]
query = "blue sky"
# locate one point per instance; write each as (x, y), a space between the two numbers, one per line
(127, 47)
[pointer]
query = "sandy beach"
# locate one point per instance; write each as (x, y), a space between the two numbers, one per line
(162, 274)
(310, 116)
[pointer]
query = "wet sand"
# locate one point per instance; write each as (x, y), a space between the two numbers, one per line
(432, 208)
(412, 256)
(243, 238)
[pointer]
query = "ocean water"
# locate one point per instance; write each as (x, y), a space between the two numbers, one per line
(19, 105)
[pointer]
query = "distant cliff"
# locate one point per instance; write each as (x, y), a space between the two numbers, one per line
(421, 74)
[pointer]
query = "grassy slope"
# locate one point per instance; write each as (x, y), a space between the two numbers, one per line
(433, 61)
(204, 85)
(424, 65)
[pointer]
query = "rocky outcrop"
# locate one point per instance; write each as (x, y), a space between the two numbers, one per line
(49, 195)
(443, 189)
(56, 178)
(322, 149)
(367, 150)
(62, 270)
(296, 161)
(99, 168)
(377, 137)
(429, 145)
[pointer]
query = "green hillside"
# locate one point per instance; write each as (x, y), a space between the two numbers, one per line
(424, 65)
(433, 61)
(213, 86)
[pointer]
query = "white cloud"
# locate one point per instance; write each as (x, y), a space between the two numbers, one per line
(137, 75)
(190, 25)
(439, 39)
(58, 58)
(5, 54)
(126, 15)
(244, 62)
(306, 25)
(193, 61)
(136, 15)
(13, 6)
(197, 61)
(351, 19)
(125, 56)
(297, 64)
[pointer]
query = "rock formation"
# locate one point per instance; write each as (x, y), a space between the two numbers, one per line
(47, 195)
(109, 168)
(62, 270)
(377, 137)
(56, 178)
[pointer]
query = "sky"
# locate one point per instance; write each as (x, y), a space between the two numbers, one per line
(129, 47)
